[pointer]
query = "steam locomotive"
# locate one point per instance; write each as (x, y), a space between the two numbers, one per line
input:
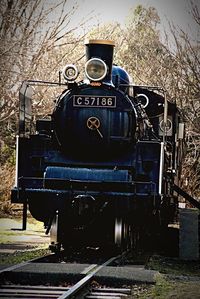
(99, 171)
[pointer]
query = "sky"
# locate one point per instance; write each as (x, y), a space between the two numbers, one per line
(176, 11)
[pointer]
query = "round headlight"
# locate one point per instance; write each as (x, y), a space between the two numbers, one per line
(70, 72)
(95, 69)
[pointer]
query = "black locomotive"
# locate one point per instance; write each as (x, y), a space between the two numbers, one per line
(100, 170)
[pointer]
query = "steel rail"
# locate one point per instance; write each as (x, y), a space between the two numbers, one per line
(81, 283)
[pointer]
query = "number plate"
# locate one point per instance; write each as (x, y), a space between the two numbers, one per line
(94, 101)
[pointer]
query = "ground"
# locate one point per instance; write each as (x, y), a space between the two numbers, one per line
(17, 245)
(177, 279)
(12, 235)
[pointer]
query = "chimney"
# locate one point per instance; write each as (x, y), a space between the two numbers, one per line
(102, 49)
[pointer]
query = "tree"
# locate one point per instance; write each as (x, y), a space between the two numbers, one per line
(32, 46)
(36, 41)
(141, 44)
(187, 74)
(151, 60)
(176, 69)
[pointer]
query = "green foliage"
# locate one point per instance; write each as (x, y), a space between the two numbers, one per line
(161, 288)
(174, 266)
(20, 257)
(166, 288)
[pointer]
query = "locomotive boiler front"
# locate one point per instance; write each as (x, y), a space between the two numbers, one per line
(94, 117)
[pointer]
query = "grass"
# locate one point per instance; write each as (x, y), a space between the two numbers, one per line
(161, 288)
(174, 266)
(177, 279)
(10, 230)
(29, 244)
(22, 256)
(165, 288)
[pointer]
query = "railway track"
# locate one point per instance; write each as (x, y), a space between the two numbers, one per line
(35, 292)
(81, 289)
(84, 280)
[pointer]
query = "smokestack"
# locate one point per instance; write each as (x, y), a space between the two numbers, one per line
(102, 49)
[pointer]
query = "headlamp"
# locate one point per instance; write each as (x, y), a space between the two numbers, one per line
(70, 72)
(95, 69)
